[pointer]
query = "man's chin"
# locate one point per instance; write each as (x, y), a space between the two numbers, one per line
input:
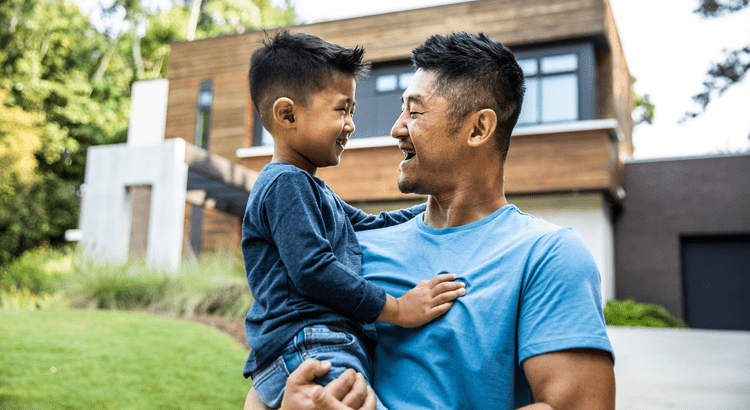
(407, 187)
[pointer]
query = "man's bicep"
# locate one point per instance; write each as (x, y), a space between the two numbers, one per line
(572, 379)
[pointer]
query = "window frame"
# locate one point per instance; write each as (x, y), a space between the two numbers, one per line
(585, 73)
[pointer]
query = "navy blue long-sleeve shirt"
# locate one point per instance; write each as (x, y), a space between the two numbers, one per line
(303, 260)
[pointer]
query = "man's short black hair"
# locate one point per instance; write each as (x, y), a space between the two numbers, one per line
(473, 72)
(297, 66)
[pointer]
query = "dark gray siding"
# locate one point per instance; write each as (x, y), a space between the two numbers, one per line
(667, 200)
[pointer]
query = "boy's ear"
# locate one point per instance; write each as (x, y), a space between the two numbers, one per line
(284, 113)
(483, 125)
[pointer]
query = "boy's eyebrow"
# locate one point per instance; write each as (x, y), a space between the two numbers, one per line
(348, 100)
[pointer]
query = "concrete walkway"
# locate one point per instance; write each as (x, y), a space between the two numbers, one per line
(682, 369)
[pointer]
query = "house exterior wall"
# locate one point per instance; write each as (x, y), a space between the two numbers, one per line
(667, 199)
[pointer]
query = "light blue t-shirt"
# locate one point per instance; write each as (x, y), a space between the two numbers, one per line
(531, 288)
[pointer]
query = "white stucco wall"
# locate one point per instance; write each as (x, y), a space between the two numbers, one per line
(106, 207)
(588, 215)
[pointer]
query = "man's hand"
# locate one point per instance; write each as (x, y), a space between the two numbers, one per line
(425, 302)
(348, 392)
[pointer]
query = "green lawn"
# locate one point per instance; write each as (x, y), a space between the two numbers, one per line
(70, 359)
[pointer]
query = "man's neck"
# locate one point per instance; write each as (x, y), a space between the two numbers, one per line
(464, 206)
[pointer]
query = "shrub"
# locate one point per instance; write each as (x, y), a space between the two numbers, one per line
(39, 271)
(213, 284)
(632, 313)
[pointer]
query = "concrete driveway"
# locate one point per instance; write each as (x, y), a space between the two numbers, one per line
(682, 369)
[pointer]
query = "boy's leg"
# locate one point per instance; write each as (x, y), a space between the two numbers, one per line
(320, 342)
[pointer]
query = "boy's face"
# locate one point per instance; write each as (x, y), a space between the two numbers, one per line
(325, 125)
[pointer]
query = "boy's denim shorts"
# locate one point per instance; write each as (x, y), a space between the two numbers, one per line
(342, 349)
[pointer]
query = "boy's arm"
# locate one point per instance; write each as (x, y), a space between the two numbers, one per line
(292, 219)
(362, 221)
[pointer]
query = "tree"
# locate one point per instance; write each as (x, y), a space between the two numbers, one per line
(66, 87)
(722, 75)
(644, 109)
(49, 52)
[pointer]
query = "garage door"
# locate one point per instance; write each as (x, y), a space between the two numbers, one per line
(717, 281)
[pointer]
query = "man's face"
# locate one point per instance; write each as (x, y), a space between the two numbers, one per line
(427, 137)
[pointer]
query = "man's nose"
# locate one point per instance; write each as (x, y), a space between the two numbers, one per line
(399, 129)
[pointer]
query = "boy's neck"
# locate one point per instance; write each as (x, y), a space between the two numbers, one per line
(280, 156)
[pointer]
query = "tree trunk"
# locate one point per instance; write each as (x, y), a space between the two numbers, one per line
(195, 12)
(137, 57)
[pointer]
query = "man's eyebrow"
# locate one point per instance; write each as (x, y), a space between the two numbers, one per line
(412, 98)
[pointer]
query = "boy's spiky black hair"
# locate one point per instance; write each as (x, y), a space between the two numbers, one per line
(298, 65)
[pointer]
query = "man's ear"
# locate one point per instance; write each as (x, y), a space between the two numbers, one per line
(483, 125)
(284, 113)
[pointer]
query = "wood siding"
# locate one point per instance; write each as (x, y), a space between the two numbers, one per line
(545, 163)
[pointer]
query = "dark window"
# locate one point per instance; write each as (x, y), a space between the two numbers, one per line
(203, 120)
(261, 136)
(379, 99)
(560, 84)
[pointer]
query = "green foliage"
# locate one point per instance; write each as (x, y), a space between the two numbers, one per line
(37, 270)
(214, 284)
(644, 108)
(220, 17)
(111, 286)
(64, 87)
(33, 280)
(717, 8)
(68, 359)
(37, 214)
(631, 313)
(49, 50)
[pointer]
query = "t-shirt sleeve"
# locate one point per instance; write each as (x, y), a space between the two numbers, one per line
(292, 210)
(362, 221)
(561, 306)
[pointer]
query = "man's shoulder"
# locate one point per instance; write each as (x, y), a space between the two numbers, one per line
(524, 224)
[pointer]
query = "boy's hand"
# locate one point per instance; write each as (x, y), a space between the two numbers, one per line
(426, 301)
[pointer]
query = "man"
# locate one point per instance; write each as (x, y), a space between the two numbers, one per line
(530, 331)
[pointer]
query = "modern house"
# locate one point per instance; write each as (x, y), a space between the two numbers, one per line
(566, 157)
(671, 232)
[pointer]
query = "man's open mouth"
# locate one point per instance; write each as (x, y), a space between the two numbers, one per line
(409, 154)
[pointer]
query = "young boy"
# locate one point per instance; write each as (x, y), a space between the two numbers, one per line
(301, 254)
